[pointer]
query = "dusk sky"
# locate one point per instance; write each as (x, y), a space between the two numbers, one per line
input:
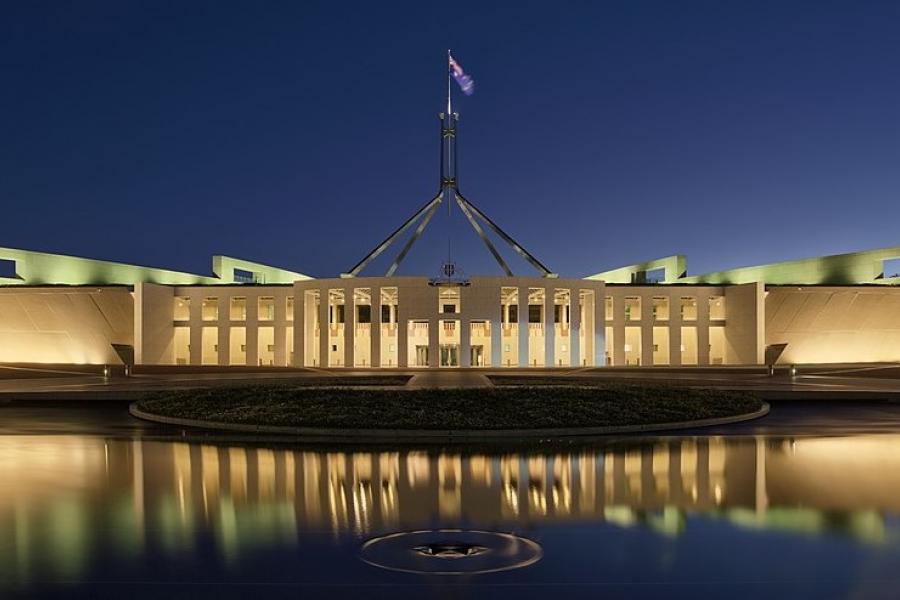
(299, 134)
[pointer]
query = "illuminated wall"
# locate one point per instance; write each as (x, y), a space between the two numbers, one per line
(834, 324)
(64, 326)
(854, 268)
(41, 268)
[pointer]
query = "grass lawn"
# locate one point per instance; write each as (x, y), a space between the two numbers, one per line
(482, 408)
(337, 381)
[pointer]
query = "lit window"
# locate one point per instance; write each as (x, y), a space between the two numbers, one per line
(633, 308)
(238, 309)
(265, 306)
(689, 309)
(716, 308)
(210, 309)
(182, 308)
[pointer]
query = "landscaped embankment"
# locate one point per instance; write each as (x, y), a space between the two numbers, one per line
(535, 410)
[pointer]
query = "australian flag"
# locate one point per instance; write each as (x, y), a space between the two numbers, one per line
(465, 82)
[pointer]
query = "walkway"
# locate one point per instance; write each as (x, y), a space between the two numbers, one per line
(857, 382)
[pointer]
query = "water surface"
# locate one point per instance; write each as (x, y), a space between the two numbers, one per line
(93, 504)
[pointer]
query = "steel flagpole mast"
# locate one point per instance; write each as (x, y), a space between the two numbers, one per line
(449, 110)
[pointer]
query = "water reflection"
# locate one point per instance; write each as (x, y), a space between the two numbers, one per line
(67, 499)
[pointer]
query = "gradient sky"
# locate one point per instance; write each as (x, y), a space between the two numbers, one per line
(299, 134)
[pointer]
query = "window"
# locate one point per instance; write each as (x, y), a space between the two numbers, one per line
(265, 307)
(660, 308)
(265, 346)
(237, 351)
(688, 309)
(449, 300)
(209, 309)
(608, 306)
(8, 268)
(660, 345)
(336, 307)
(209, 341)
(238, 309)
(717, 346)
(655, 275)
(561, 302)
(534, 313)
(337, 313)
(632, 346)
(389, 299)
(891, 267)
(363, 313)
(290, 308)
(513, 313)
(182, 345)
(244, 276)
(632, 308)
(182, 308)
(717, 308)
(689, 345)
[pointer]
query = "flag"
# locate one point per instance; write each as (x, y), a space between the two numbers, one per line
(465, 82)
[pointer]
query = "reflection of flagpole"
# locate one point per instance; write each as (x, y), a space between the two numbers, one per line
(448, 82)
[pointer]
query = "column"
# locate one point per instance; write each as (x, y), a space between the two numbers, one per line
(618, 328)
(196, 334)
(549, 327)
(324, 328)
(523, 327)
(300, 316)
(375, 328)
(402, 329)
(600, 325)
(589, 326)
(349, 325)
(279, 329)
(223, 305)
(434, 325)
(465, 342)
(675, 329)
(575, 327)
(646, 330)
(252, 330)
(496, 340)
(702, 328)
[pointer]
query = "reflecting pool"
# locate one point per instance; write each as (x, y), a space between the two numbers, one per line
(747, 515)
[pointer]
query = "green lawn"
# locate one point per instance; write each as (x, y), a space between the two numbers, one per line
(483, 409)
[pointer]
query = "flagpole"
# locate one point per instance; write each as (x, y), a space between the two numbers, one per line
(449, 110)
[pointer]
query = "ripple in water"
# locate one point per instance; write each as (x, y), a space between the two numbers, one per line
(450, 552)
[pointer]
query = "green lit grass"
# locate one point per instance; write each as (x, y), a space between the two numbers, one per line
(535, 407)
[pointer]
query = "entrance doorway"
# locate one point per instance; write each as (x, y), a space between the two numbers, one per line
(421, 356)
(477, 356)
(449, 355)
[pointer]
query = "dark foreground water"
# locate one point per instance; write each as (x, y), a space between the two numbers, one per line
(94, 505)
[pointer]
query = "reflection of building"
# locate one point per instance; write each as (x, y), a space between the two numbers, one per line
(61, 309)
(77, 496)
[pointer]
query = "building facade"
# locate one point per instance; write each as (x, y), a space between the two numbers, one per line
(251, 315)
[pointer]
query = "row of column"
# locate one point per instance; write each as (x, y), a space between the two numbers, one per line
(647, 323)
(251, 325)
(477, 304)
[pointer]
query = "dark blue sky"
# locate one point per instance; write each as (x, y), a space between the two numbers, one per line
(300, 133)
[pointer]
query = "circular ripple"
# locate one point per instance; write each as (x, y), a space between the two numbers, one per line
(450, 551)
